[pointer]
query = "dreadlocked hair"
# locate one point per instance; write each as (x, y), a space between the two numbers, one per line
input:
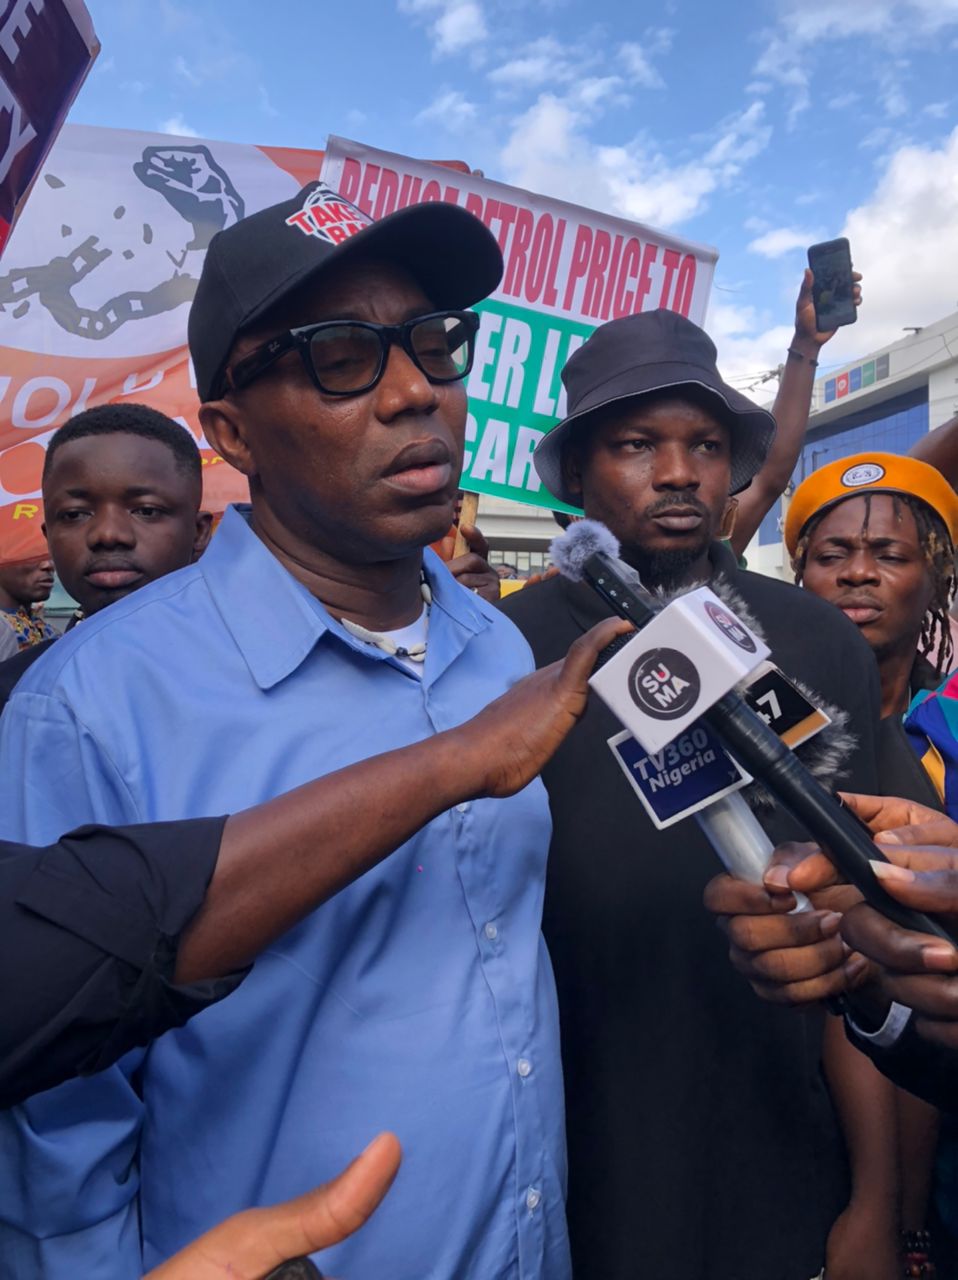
(939, 553)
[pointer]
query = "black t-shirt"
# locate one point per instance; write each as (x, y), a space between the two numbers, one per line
(702, 1139)
(88, 936)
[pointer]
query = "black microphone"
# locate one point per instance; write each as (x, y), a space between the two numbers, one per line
(589, 552)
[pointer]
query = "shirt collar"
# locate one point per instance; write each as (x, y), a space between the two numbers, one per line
(462, 606)
(276, 623)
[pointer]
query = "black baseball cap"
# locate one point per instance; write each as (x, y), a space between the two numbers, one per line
(254, 264)
(634, 356)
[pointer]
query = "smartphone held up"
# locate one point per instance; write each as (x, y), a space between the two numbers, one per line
(834, 288)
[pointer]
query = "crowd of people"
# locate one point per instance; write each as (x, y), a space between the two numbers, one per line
(311, 835)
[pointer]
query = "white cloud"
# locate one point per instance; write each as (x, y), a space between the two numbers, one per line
(937, 110)
(639, 67)
(895, 24)
(265, 105)
(549, 151)
(544, 61)
(547, 63)
(903, 240)
(890, 92)
(781, 63)
(592, 92)
(747, 345)
(451, 109)
(811, 20)
(882, 138)
(658, 40)
(183, 68)
(453, 25)
(781, 240)
(176, 124)
(218, 64)
(842, 100)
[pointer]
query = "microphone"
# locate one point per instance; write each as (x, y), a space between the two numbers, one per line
(589, 552)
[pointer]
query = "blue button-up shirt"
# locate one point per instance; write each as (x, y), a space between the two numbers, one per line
(419, 999)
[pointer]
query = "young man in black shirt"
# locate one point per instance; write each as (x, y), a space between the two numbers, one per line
(702, 1138)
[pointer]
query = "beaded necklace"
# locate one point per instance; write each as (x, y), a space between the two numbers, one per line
(417, 653)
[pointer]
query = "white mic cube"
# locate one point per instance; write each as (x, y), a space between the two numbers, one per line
(677, 667)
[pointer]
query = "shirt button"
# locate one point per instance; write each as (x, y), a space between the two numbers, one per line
(464, 807)
(524, 1067)
(491, 932)
(533, 1199)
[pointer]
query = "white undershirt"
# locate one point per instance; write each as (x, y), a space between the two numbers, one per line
(407, 637)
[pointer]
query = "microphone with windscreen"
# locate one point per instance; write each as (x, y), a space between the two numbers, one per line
(588, 552)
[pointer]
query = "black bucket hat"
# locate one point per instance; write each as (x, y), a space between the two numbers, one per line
(634, 356)
(254, 264)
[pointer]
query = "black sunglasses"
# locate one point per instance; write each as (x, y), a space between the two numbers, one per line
(347, 357)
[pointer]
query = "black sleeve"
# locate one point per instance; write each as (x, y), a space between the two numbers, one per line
(13, 668)
(927, 1070)
(88, 935)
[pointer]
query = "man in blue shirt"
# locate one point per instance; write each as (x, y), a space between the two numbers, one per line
(329, 356)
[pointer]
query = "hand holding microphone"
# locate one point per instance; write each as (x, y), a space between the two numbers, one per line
(589, 552)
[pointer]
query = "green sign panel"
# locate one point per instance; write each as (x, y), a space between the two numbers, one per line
(515, 397)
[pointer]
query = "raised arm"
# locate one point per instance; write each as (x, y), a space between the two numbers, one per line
(940, 449)
(791, 410)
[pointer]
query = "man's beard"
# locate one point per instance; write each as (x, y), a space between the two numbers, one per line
(665, 569)
(670, 567)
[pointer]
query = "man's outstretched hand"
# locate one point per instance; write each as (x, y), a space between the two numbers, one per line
(846, 944)
(507, 744)
(252, 1244)
(787, 959)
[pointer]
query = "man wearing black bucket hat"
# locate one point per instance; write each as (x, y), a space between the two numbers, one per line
(702, 1140)
(329, 355)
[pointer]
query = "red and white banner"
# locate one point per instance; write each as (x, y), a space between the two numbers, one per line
(98, 276)
(95, 288)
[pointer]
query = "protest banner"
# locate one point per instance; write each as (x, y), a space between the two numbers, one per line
(95, 288)
(47, 47)
(97, 279)
(567, 270)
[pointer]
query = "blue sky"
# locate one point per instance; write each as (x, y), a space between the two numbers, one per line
(757, 127)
